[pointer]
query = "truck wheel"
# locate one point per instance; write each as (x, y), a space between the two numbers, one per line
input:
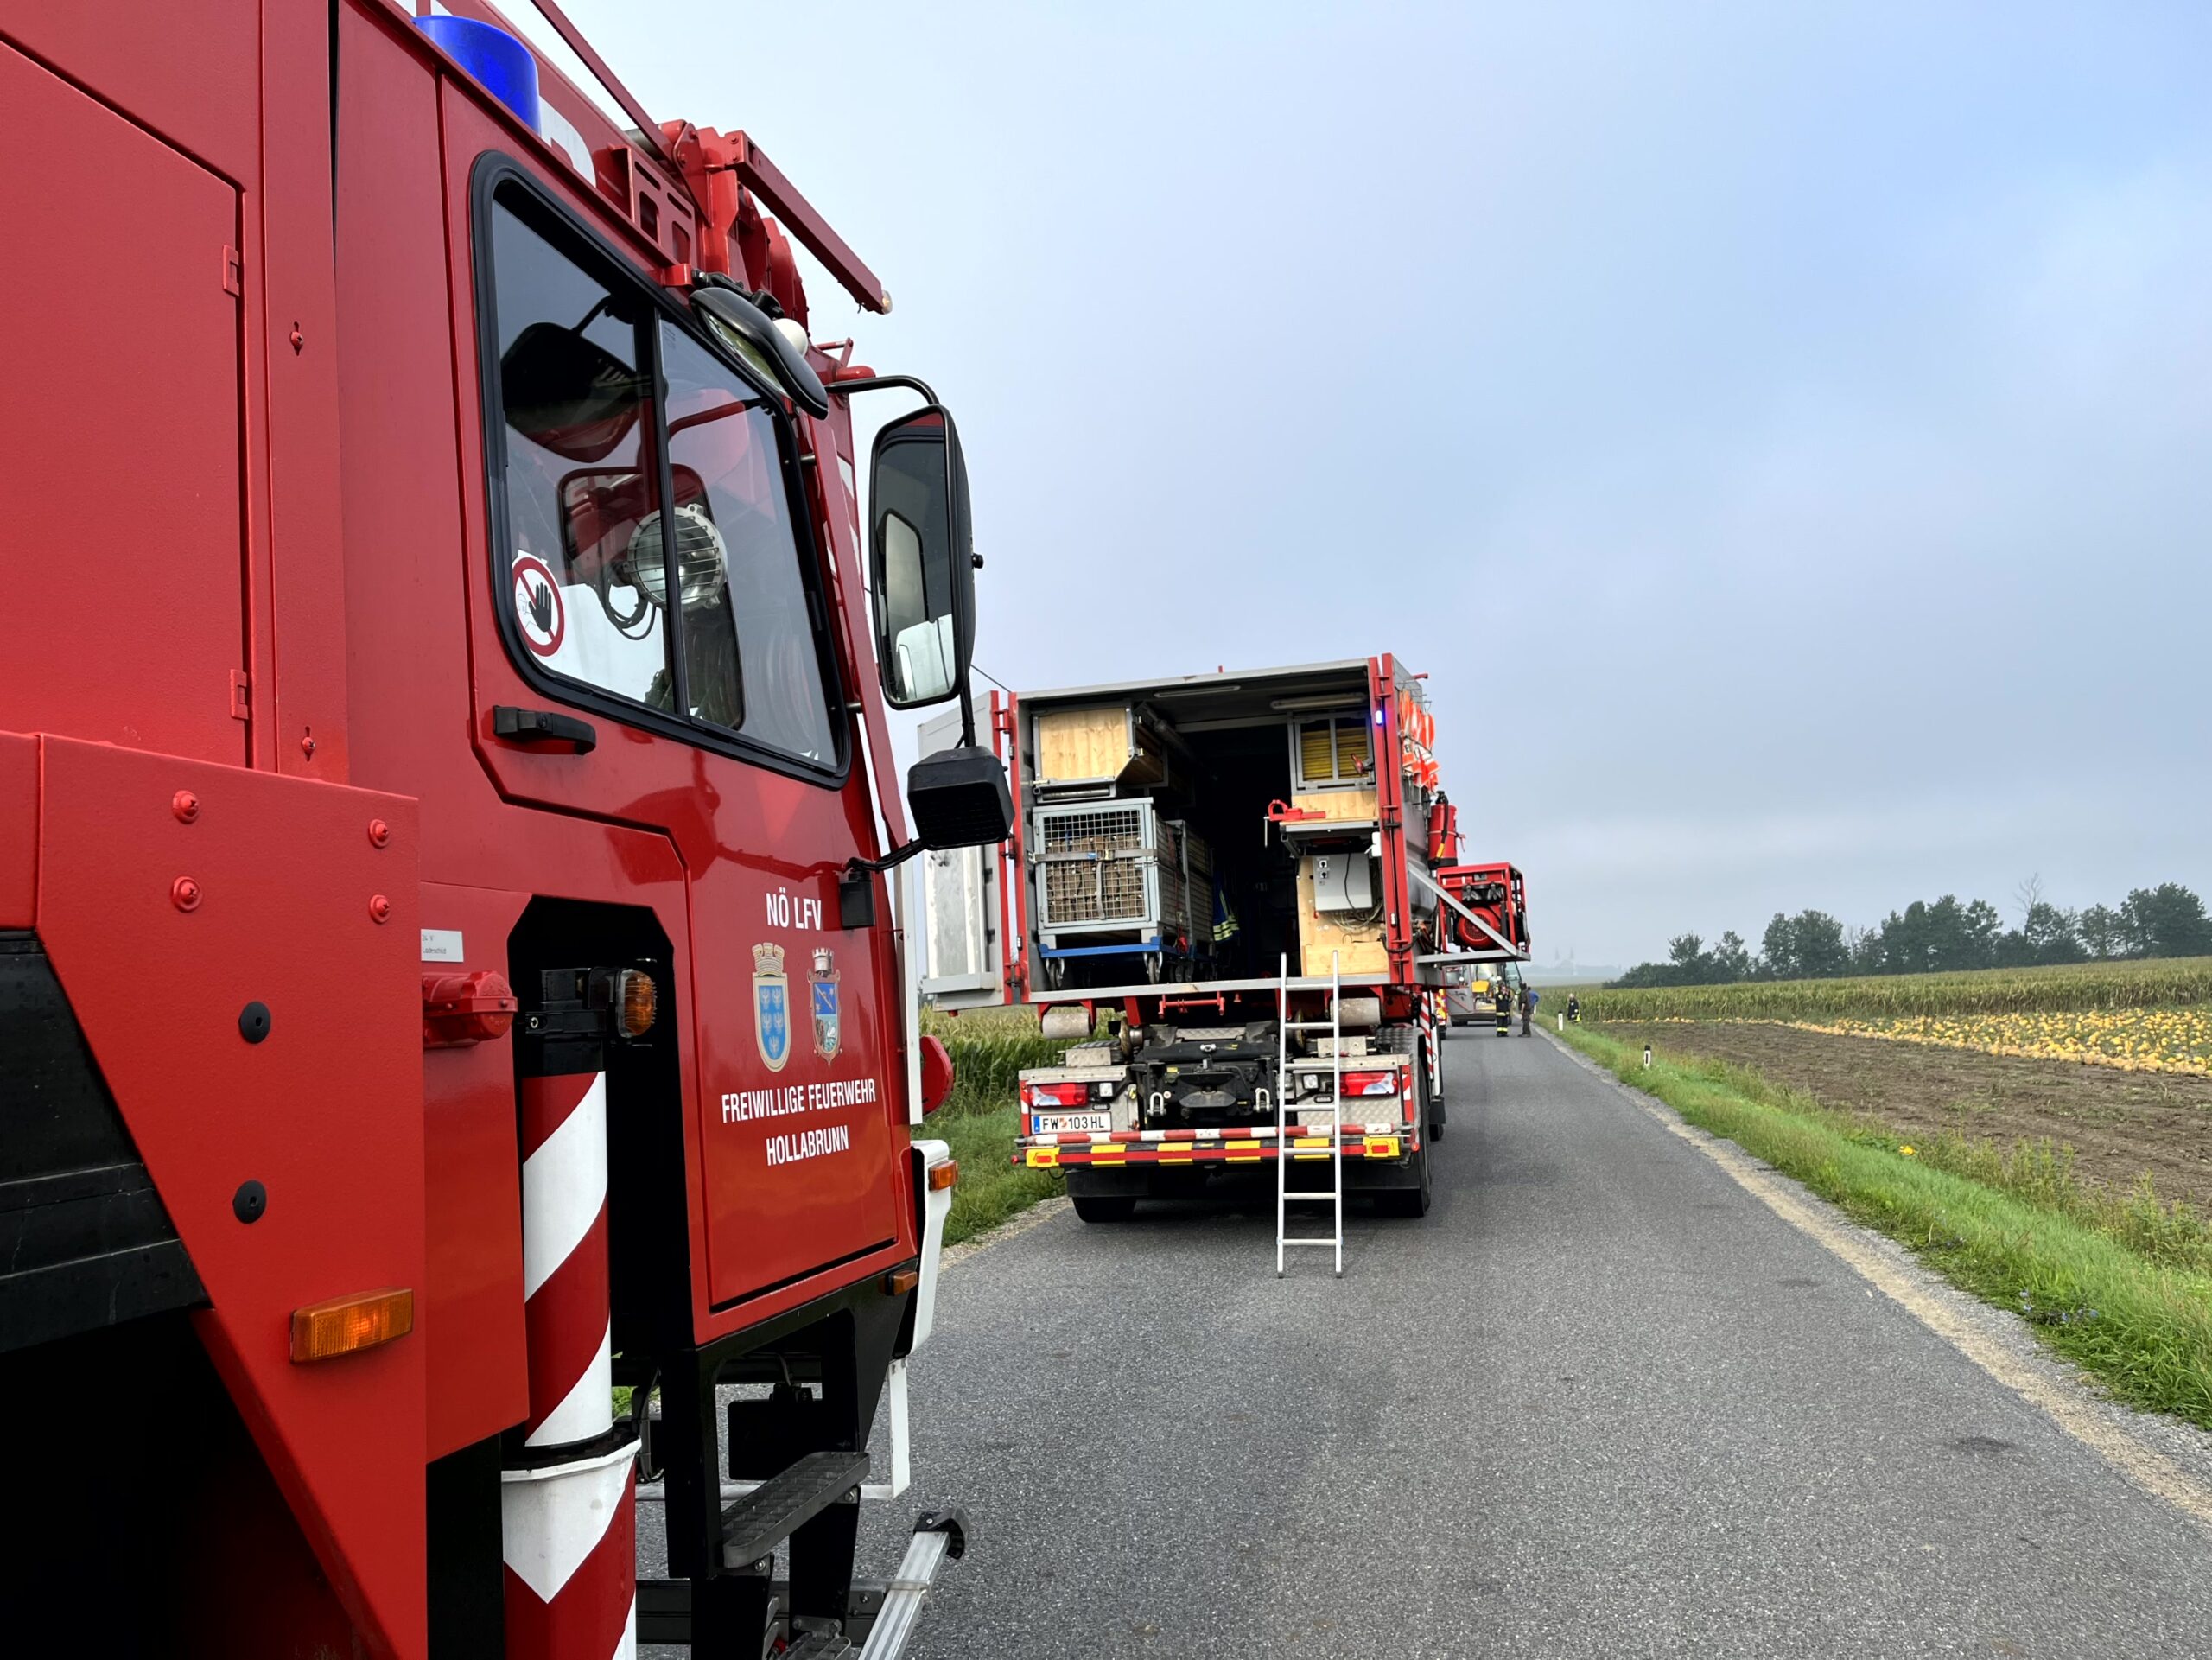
(1096, 1207)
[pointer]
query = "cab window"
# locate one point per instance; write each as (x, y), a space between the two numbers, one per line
(581, 558)
(756, 647)
(708, 613)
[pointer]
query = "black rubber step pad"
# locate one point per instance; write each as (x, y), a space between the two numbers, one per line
(780, 1506)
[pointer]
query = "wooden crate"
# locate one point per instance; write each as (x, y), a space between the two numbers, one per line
(1337, 804)
(1083, 746)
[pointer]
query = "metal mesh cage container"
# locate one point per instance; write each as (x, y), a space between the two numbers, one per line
(1117, 867)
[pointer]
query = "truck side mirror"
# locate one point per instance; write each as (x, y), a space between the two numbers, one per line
(921, 567)
(756, 337)
(959, 799)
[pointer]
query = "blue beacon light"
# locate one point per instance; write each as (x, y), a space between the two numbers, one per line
(506, 69)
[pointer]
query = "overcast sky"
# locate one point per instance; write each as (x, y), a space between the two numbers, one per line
(1782, 433)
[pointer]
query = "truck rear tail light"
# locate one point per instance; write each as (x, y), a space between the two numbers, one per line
(343, 1326)
(1055, 1095)
(1370, 1083)
(941, 1176)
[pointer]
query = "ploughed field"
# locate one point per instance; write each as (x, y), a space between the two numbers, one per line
(2104, 1070)
(2121, 1126)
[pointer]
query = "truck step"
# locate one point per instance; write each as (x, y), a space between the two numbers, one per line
(819, 1645)
(780, 1506)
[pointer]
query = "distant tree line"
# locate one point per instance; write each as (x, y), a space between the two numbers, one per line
(1939, 936)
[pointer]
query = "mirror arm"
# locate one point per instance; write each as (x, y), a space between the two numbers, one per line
(892, 860)
(856, 885)
(877, 383)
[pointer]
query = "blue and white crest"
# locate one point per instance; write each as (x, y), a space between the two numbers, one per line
(824, 984)
(772, 1006)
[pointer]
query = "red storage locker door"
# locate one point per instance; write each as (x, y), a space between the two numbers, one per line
(120, 427)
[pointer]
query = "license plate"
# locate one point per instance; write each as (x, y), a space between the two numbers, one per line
(1044, 1123)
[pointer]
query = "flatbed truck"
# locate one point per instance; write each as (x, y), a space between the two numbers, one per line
(1223, 889)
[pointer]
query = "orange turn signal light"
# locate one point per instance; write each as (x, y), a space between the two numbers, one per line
(900, 1280)
(639, 1003)
(941, 1176)
(324, 1330)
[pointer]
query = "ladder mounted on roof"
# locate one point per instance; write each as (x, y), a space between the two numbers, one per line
(1334, 1198)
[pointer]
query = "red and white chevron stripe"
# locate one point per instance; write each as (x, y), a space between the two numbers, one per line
(568, 1531)
(565, 1273)
(568, 1535)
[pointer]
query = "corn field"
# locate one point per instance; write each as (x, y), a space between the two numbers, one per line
(2082, 988)
(989, 1048)
(2150, 1016)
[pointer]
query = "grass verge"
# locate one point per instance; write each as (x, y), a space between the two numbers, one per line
(2130, 1304)
(984, 1116)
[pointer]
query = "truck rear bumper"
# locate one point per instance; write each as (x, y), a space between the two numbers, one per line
(1202, 1164)
(1223, 1181)
(1173, 1148)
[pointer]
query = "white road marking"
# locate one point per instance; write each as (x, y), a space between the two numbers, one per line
(2146, 1466)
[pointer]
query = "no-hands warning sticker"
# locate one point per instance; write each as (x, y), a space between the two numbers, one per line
(537, 605)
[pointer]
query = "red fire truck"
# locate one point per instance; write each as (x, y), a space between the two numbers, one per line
(1237, 874)
(447, 967)
(1490, 920)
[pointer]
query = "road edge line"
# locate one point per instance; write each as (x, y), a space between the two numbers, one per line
(2070, 1405)
(1021, 1222)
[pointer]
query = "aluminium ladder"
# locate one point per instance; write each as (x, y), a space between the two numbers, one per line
(1334, 1198)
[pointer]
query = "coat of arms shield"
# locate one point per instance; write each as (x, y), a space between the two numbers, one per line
(824, 993)
(772, 1006)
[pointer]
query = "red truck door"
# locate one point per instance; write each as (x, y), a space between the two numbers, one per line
(601, 400)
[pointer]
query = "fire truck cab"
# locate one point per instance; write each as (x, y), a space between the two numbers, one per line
(448, 968)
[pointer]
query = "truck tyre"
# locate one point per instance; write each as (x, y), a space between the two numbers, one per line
(1099, 1207)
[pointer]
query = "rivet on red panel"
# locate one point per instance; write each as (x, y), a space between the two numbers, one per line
(185, 805)
(379, 908)
(184, 892)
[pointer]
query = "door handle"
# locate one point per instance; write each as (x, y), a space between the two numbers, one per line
(542, 726)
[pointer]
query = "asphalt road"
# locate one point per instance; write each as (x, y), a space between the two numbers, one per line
(1601, 1401)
